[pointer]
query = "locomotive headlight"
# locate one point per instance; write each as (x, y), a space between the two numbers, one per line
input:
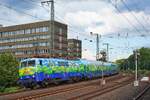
(33, 76)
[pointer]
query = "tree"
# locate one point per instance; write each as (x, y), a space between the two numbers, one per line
(120, 63)
(143, 60)
(8, 69)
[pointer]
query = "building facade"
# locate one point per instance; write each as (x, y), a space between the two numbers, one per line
(34, 40)
(74, 49)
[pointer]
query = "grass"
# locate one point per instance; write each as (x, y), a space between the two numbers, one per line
(9, 89)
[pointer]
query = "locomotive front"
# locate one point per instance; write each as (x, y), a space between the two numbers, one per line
(27, 72)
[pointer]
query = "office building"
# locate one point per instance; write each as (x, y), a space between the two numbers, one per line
(35, 40)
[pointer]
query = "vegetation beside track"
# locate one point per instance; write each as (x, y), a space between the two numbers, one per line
(128, 65)
(143, 61)
(8, 72)
(10, 89)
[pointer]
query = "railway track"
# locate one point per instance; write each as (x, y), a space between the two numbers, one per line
(98, 92)
(144, 95)
(68, 89)
(51, 86)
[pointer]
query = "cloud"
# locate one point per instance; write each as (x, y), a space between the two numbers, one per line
(84, 16)
(135, 5)
(87, 54)
(108, 21)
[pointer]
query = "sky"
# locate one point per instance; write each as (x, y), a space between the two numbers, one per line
(124, 24)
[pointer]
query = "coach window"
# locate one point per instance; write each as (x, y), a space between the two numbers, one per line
(62, 63)
(41, 62)
(51, 63)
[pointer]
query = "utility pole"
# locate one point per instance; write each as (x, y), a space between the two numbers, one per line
(51, 26)
(97, 44)
(136, 82)
(107, 44)
(103, 82)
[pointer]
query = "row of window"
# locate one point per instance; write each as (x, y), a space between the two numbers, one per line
(51, 63)
(25, 31)
(34, 52)
(25, 39)
(31, 52)
(74, 49)
(24, 45)
(74, 44)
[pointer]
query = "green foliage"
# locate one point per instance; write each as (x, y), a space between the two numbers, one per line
(120, 63)
(8, 70)
(143, 61)
(11, 89)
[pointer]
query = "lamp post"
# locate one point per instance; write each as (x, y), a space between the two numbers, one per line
(97, 44)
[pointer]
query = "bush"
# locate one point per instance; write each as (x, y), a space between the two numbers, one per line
(8, 70)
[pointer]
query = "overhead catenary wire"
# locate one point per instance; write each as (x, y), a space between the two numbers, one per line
(141, 24)
(70, 26)
(130, 23)
(19, 11)
(144, 19)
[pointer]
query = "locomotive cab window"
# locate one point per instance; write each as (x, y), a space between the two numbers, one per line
(28, 63)
(31, 63)
(24, 64)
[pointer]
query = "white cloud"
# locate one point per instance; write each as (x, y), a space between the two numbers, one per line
(87, 54)
(82, 19)
(106, 20)
(87, 15)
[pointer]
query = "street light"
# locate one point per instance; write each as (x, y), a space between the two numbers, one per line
(97, 44)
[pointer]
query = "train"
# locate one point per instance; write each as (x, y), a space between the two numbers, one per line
(43, 71)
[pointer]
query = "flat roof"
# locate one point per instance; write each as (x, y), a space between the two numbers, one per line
(29, 25)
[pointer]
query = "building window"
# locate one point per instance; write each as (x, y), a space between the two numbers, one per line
(37, 30)
(60, 46)
(21, 32)
(25, 52)
(0, 34)
(33, 30)
(60, 31)
(60, 39)
(45, 29)
(41, 29)
(77, 44)
(27, 31)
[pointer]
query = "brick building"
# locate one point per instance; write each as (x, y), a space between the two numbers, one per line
(34, 40)
(74, 49)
